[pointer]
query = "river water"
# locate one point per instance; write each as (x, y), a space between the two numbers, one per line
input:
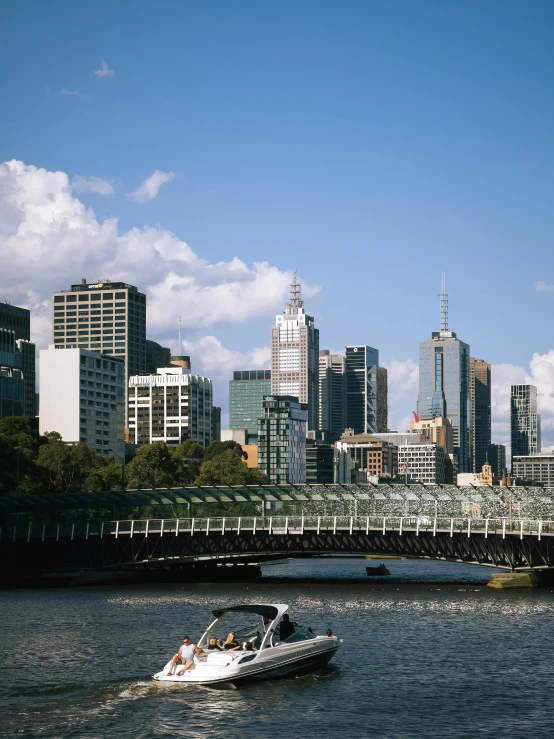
(430, 653)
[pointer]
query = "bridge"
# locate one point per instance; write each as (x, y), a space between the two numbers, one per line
(501, 543)
(508, 528)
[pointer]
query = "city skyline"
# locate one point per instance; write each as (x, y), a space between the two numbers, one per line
(371, 156)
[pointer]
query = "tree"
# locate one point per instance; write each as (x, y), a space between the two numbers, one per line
(228, 469)
(188, 458)
(220, 447)
(66, 468)
(153, 466)
(18, 448)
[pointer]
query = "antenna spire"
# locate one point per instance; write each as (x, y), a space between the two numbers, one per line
(444, 304)
(180, 342)
(295, 297)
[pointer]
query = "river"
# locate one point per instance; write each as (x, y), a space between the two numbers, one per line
(430, 653)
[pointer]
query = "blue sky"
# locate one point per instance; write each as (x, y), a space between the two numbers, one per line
(370, 145)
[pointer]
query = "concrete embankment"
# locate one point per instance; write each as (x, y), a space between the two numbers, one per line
(529, 579)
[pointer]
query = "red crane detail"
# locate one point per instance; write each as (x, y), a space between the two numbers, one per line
(416, 417)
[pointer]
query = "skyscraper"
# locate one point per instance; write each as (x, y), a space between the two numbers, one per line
(282, 440)
(361, 366)
(480, 401)
(332, 394)
(247, 391)
(156, 356)
(525, 421)
(382, 400)
(108, 317)
(294, 356)
(18, 390)
(444, 384)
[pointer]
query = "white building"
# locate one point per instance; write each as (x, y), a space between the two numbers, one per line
(424, 463)
(82, 397)
(295, 356)
(171, 406)
(532, 469)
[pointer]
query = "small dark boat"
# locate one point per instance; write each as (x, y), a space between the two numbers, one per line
(377, 571)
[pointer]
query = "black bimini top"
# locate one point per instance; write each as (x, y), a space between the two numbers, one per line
(261, 610)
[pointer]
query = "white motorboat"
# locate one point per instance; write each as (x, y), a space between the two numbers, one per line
(261, 656)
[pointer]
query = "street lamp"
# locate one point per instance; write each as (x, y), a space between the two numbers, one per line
(122, 460)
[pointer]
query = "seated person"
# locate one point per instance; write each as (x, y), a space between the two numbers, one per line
(212, 644)
(286, 628)
(247, 646)
(231, 643)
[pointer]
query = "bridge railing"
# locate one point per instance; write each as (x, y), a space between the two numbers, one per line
(279, 525)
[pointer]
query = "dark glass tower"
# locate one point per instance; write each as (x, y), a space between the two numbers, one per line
(444, 384)
(362, 363)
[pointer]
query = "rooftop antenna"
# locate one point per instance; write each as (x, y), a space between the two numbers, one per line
(444, 304)
(295, 297)
(180, 342)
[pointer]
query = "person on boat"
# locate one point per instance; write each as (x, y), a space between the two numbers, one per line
(329, 632)
(247, 646)
(286, 628)
(185, 655)
(231, 642)
(213, 644)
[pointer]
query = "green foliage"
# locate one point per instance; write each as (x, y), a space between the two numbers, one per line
(188, 458)
(65, 468)
(228, 469)
(153, 466)
(18, 448)
(220, 447)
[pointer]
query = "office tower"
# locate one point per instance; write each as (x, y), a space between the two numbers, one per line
(370, 457)
(332, 394)
(438, 430)
(422, 462)
(247, 391)
(216, 423)
(15, 324)
(108, 317)
(496, 457)
(382, 422)
(181, 360)
(82, 397)
(480, 402)
(282, 440)
(156, 356)
(361, 365)
(525, 421)
(533, 469)
(320, 463)
(294, 356)
(172, 405)
(444, 384)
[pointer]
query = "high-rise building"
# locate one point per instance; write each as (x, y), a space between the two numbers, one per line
(332, 394)
(426, 463)
(444, 384)
(361, 366)
(320, 463)
(156, 356)
(438, 430)
(171, 406)
(370, 457)
(247, 391)
(295, 355)
(105, 316)
(82, 397)
(216, 423)
(382, 400)
(496, 457)
(525, 421)
(17, 362)
(282, 440)
(480, 401)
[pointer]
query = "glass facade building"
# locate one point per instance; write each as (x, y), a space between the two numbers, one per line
(247, 391)
(480, 399)
(525, 422)
(332, 394)
(444, 389)
(17, 362)
(282, 440)
(361, 368)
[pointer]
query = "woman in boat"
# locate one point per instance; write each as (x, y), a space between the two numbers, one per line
(231, 642)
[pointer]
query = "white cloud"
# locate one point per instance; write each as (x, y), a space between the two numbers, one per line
(49, 240)
(150, 187)
(76, 93)
(104, 71)
(543, 287)
(402, 379)
(92, 184)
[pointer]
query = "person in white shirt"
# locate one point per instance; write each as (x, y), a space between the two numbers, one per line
(186, 654)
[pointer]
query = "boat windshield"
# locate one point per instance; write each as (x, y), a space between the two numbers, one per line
(300, 634)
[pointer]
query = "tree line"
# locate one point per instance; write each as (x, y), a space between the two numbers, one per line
(46, 464)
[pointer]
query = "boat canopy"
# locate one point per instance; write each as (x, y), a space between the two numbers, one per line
(261, 610)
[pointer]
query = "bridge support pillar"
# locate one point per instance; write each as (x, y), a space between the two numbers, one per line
(509, 580)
